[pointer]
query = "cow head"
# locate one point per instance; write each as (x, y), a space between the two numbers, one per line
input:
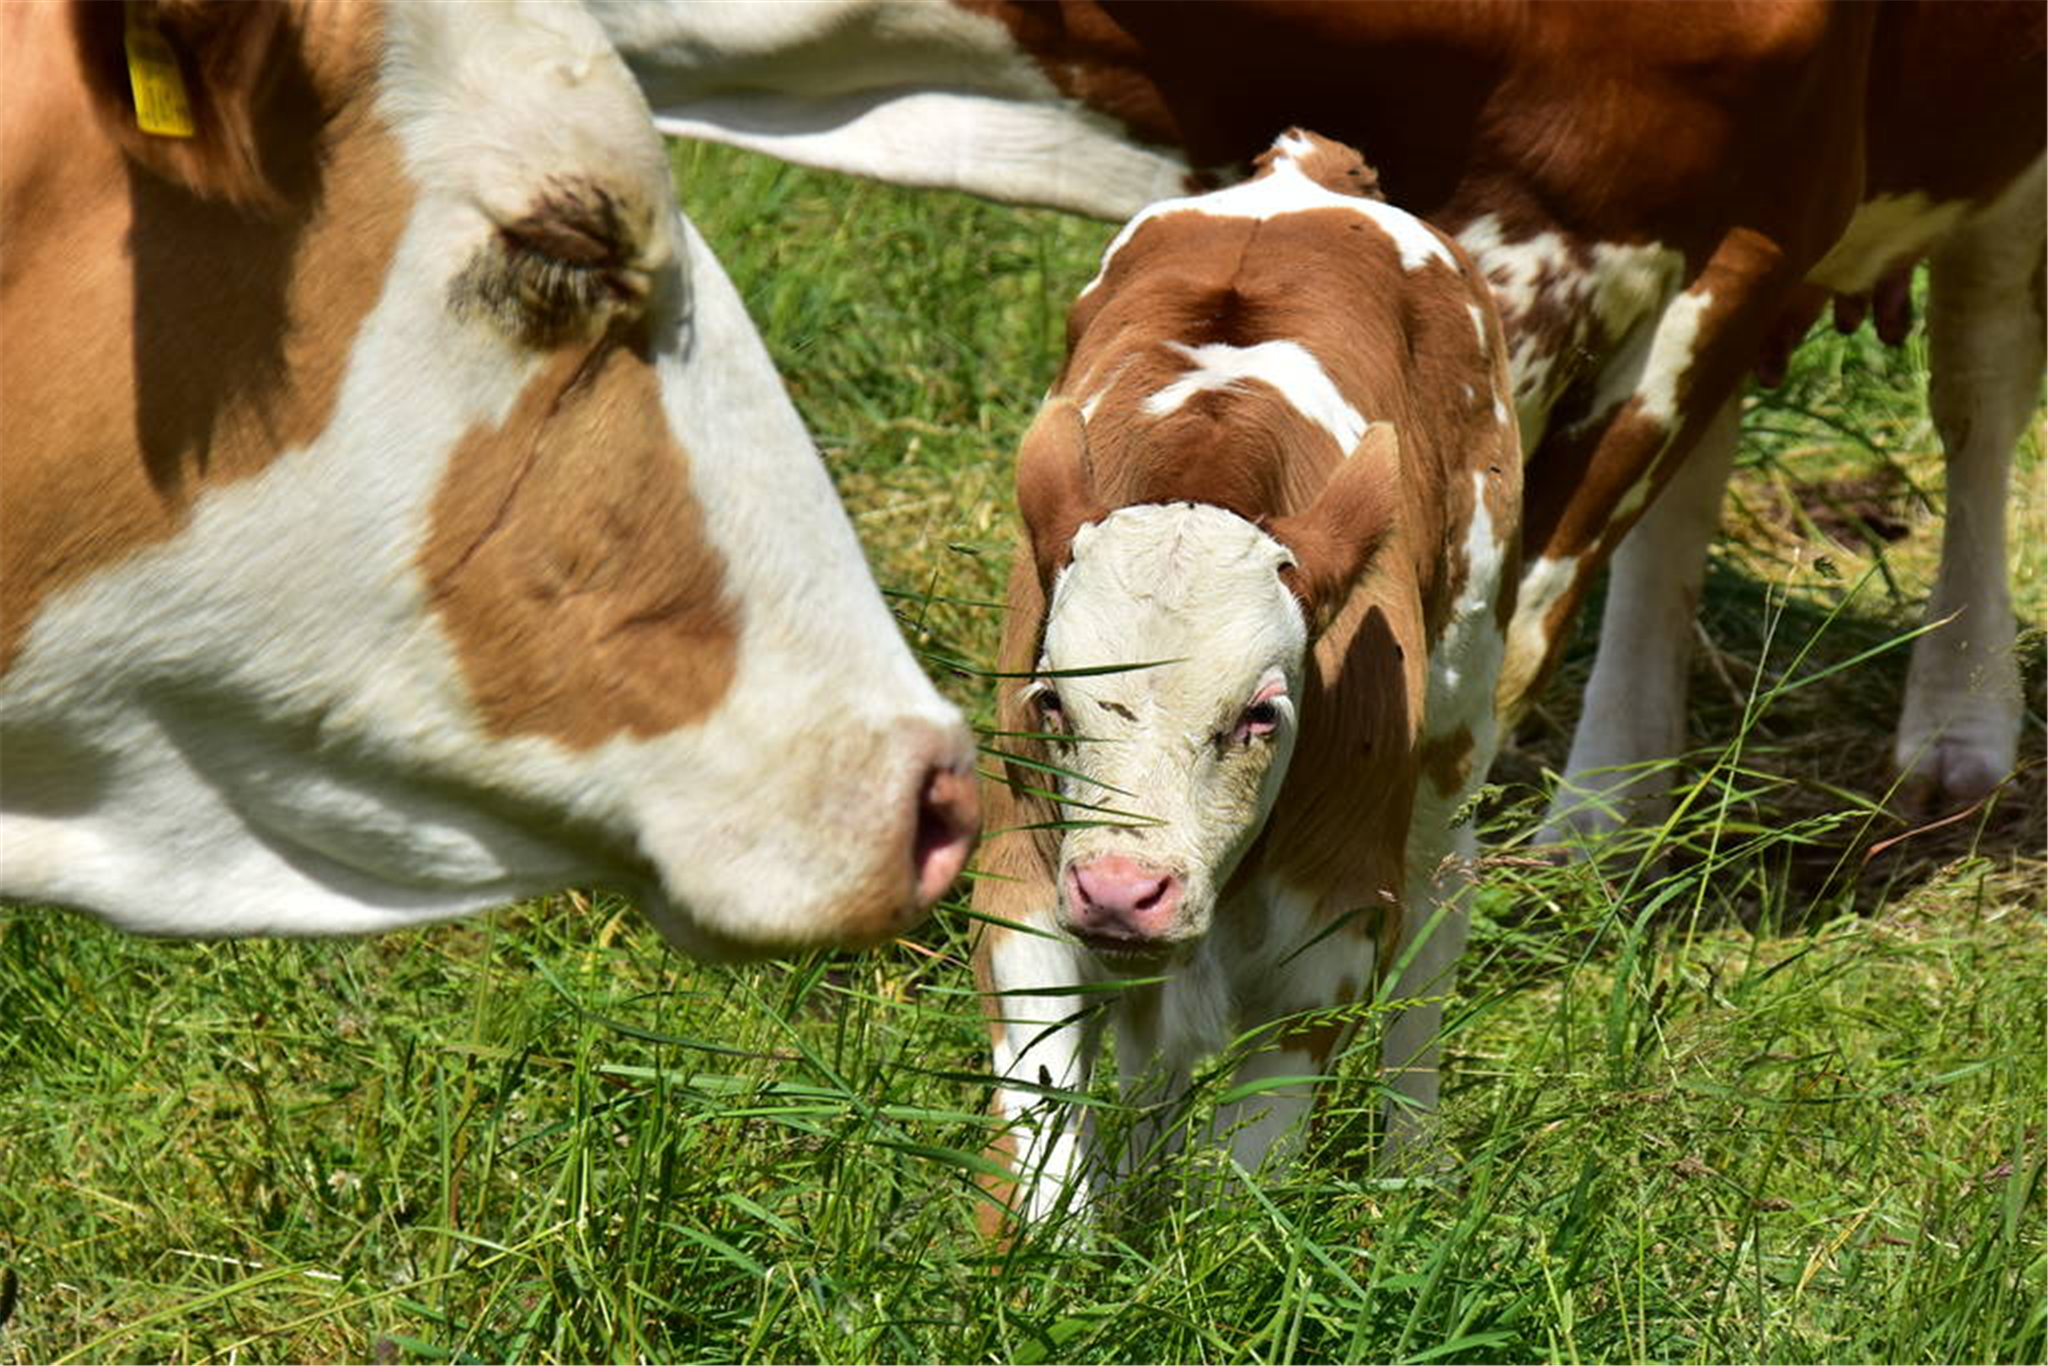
(1171, 676)
(403, 513)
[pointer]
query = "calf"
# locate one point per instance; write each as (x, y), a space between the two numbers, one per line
(401, 513)
(1279, 479)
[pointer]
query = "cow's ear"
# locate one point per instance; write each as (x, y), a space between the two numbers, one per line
(1054, 492)
(1334, 538)
(211, 95)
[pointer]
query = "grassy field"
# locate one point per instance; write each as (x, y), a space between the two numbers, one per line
(1777, 1096)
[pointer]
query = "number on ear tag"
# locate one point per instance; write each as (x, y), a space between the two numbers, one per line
(160, 104)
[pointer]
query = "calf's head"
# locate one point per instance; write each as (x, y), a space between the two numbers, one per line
(403, 513)
(1170, 678)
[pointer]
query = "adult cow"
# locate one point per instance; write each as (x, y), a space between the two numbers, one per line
(1653, 191)
(1278, 479)
(402, 515)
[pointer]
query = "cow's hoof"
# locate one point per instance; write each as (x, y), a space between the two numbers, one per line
(1950, 775)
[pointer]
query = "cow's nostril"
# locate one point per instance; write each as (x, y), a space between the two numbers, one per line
(1115, 899)
(947, 814)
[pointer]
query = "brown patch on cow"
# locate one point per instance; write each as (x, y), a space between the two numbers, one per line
(1055, 492)
(569, 561)
(1955, 108)
(157, 343)
(1334, 538)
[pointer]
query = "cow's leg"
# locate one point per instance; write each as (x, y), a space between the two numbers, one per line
(1633, 718)
(1959, 727)
(1044, 1039)
(1424, 970)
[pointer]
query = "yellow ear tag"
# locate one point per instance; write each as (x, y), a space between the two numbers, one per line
(160, 104)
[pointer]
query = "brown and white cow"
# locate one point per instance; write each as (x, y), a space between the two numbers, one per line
(401, 513)
(1279, 480)
(1651, 189)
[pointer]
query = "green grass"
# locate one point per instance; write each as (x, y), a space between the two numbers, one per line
(1769, 1088)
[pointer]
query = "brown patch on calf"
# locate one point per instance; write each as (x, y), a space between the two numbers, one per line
(1334, 537)
(568, 560)
(1055, 493)
(157, 342)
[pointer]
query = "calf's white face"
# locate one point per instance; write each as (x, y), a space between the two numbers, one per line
(1194, 743)
(410, 519)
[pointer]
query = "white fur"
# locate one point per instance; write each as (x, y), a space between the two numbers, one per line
(914, 94)
(1516, 271)
(1287, 366)
(1472, 645)
(1195, 592)
(281, 739)
(1044, 1038)
(1651, 365)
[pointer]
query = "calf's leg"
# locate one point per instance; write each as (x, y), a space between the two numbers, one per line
(1044, 1039)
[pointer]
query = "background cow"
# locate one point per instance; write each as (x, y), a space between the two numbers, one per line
(1653, 193)
(1279, 479)
(402, 515)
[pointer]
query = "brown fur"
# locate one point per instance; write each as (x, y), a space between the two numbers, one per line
(566, 556)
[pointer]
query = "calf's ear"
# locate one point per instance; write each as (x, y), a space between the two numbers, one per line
(211, 95)
(1334, 538)
(1054, 492)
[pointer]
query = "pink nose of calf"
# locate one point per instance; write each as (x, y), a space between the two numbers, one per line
(947, 815)
(1119, 903)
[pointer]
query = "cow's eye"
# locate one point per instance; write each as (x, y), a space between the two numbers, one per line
(1052, 713)
(552, 276)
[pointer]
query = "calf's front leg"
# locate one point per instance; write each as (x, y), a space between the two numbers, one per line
(1044, 1039)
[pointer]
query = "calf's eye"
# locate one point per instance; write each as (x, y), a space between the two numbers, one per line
(1256, 722)
(1052, 713)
